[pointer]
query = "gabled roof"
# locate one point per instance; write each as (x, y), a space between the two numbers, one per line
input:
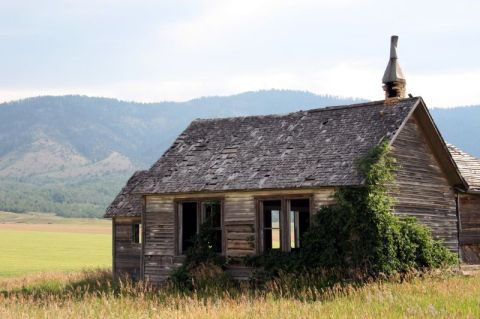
(469, 167)
(313, 148)
(127, 203)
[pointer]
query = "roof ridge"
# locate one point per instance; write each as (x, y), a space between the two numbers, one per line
(314, 110)
(351, 106)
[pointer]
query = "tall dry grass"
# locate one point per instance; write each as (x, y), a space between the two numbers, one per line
(96, 295)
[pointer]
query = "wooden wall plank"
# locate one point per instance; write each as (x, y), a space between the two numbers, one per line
(469, 211)
(240, 219)
(423, 190)
(127, 255)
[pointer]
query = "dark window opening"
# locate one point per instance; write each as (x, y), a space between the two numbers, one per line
(137, 233)
(299, 221)
(189, 224)
(213, 216)
(191, 215)
(271, 224)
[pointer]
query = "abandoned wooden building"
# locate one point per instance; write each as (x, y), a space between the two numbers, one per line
(261, 178)
(468, 205)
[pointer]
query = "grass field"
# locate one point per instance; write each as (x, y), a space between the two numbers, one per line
(40, 259)
(94, 295)
(33, 243)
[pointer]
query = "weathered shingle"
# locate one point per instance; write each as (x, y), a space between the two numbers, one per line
(468, 165)
(127, 203)
(311, 148)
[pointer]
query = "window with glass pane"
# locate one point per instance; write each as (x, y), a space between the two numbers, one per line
(299, 221)
(271, 224)
(213, 215)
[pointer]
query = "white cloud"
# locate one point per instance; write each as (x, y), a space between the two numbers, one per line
(447, 89)
(221, 47)
(223, 20)
(345, 79)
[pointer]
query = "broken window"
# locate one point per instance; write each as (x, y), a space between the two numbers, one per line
(191, 215)
(283, 223)
(213, 215)
(189, 224)
(271, 224)
(137, 233)
(299, 220)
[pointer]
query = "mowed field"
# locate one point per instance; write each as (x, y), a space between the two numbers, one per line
(33, 243)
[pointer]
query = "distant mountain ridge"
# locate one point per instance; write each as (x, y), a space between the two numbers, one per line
(96, 127)
(460, 126)
(71, 154)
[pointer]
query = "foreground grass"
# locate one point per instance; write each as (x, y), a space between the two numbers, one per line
(94, 295)
(33, 243)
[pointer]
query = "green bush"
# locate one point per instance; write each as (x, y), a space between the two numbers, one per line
(203, 268)
(359, 235)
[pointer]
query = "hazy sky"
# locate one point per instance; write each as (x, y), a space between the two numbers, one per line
(178, 50)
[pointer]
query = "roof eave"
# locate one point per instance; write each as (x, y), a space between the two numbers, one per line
(149, 193)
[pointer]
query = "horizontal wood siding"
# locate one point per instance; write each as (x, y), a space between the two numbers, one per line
(127, 254)
(240, 221)
(159, 246)
(469, 210)
(423, 190)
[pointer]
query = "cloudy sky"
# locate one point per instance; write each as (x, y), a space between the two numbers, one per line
(177, 50)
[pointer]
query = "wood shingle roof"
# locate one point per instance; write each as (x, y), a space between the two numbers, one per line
(313, 148)
(469, 167)
(127, 203)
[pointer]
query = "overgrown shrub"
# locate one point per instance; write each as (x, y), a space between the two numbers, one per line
(203, 267)
(359, 235)
(356, 238)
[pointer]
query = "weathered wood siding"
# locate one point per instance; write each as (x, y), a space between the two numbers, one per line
(159, 247)
(240, 220)
(469, 210)
(423, 189)
(126, 254)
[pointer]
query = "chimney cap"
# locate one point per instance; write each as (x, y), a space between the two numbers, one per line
(393, 72)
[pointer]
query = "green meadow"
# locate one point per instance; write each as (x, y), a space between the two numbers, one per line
(52, 245)
(49, 268)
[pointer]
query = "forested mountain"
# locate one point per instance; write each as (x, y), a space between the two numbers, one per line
(71, 154)
(460, 126)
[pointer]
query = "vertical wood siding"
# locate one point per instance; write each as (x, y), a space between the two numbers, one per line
(423, 189)
(127, 255)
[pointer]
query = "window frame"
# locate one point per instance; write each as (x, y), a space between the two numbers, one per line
(285, 237)
(137, 233)
(200, 218)
(261, 223)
